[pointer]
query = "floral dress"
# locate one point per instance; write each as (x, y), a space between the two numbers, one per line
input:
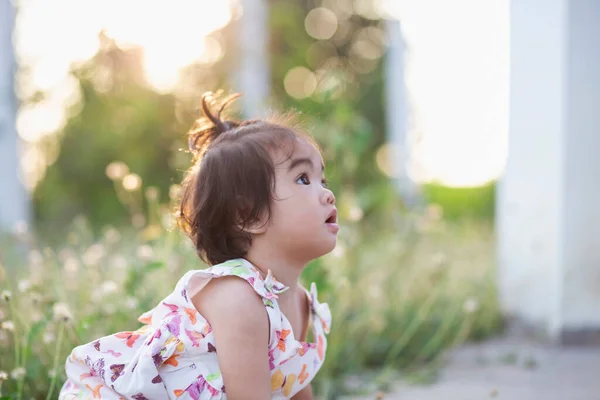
(173, 355)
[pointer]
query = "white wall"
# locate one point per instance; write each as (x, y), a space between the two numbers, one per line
(548, 224)
(581, 186)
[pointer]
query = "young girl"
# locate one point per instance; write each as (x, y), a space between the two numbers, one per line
(257, 209)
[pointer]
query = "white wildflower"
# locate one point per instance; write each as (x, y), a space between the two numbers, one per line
(93, 255)
(109, 287)
(48, 337)
(109, 309)
(18, 373)
(145, 252)
(65, 254)
(8, 326)
(6, 295)
(470, 305)
(3, 376)
(167, 220)
(24, 285)
(131, 303)
(62, 312)
(119, 262)
(355, 214)
(111, 235)
(116, 170)
(132, 182)
(71, 265)
(152, 193)
(36, 316)
(339, 251)
(174, 191)
(52, 374)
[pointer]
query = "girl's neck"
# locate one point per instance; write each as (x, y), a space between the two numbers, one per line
(284, 270)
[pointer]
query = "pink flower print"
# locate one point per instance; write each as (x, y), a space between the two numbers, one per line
(271, 360)
(174, 324)
(113, 353)
(196, 337)
(304, 346)
(139, 396)
(196, 388)
(97, 345)
(184, 294)
(156, 335)
(171, 307)
(96, 368)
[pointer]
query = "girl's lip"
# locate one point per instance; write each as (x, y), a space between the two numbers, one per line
(333, 227)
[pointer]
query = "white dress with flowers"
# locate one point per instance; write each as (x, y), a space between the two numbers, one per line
(173, 356)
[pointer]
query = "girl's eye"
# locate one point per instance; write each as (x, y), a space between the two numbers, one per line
(303, 179)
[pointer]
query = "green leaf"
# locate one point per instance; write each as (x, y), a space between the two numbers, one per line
(155, 265)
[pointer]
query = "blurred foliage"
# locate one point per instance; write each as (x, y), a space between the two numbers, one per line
(400, 295)
(121, 119)
(459, 203)
(404, 285)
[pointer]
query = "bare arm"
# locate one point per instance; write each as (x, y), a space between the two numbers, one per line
(241, 329)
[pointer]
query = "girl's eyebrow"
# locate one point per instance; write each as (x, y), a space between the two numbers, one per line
(306, 161)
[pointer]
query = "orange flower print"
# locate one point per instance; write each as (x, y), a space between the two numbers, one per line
(172, 360)
(303, 374)
(282, 336)
(321, 348)
(191, 313)
(178, 392)
(95, 391)
(130, 336)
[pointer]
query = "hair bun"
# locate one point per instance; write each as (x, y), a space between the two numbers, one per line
(207, 128)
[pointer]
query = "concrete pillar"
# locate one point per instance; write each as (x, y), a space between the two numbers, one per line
(14, 203)
(548, 215)
(254, 74)
(396, 103)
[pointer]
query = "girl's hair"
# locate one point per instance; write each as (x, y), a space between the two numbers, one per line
(231, 182)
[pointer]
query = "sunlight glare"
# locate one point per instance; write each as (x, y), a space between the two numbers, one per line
(457, 79)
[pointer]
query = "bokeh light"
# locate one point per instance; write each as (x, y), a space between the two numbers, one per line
(300, 82)
(132, 182)
(321, 23)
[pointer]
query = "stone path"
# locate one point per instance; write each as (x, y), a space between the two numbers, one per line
(511, 370)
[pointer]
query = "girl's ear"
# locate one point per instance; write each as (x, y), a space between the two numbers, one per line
(257, 227)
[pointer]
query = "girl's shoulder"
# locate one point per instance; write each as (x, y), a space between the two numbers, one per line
(194, 281)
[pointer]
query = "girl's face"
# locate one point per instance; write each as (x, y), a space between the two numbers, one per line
(303, 216)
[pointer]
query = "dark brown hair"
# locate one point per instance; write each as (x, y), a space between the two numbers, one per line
(230, 184)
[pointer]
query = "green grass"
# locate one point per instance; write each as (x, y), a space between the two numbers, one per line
(401, 294)
(459, 203)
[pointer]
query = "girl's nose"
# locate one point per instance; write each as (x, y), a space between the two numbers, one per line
(329, 197)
